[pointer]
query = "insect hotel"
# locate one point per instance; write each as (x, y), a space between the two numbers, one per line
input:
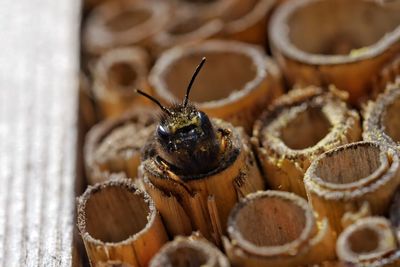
(189, 133)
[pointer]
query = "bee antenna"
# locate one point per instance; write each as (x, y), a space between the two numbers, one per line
(140, 92)
(186, 99)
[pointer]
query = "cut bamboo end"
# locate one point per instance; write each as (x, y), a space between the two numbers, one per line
(332, 51)
(209, 9)
(381, 122)
(321, 119)
(187, 29)
(202, 202)
(224, 89)
(189, 251)
(113, 146)
(122, 23)
(343, 179)
(274, 228)
(389, 74)
(119, 223)
(247, 21)
(117, 73)
(369, 242)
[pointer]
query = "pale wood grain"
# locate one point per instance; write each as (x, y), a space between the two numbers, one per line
(38, 117)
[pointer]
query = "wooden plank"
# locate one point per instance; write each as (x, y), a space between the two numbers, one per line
(38, 130)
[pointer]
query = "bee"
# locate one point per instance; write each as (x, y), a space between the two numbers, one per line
(185, 137)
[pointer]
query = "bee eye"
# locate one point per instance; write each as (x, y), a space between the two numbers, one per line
(203, 117)
(162, 132)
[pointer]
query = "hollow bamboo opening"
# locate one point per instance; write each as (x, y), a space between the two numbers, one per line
(236, 13)
(122, 75)
(368, 240)
(271, 223)
(365, 240)
(187, 252)
(128, 19)
(235, 84)
(119, 223)
(349, 165)
(311, 124)
(344, 179)
(114, 214)
(216, 81)
(123, 23)
(296, 129)
(346, 27)
(114, 145)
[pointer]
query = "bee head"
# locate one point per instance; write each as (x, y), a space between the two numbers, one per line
(185, 135)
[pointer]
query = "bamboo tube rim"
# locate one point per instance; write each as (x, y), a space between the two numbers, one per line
(99, 132)
(269, 138)
(279, 31)
(381, 175)
(374, 123)
(380, 232)
(100, 37)
(203, 30)
(211, 255)
(289, 248)
(157, 77)
(134, 58)
(115, 181)
(230, 155)
(207, 10)
(260, 9)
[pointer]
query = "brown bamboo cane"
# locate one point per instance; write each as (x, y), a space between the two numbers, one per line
(206, 9)
(370, 241)
(113, 145)
(381, 122)
(345, 178)
(275, 228)
(296, 129)
(311, 50)
(116, 75)
(119, 23)
(246, 21)
(189, 251)
(236, 84)
(202, 202)
(119, 223)
(186, 29)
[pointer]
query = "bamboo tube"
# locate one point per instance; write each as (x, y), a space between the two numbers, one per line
(119, 23)
(370, 241)
(208, 9)
(354, 39)
(117, 73)
(296, 129)
(381, 117)
(202, 202)
(274, 228)
(387, 75)
(186, 29)
(119, 223)
(114, 145)
(246, 21)
(189, 251)
(343, 179)
(235, 85)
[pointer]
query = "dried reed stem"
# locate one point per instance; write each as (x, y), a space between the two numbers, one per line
(344, 179)
(296, 129)
(119, 224)
(274, 228)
